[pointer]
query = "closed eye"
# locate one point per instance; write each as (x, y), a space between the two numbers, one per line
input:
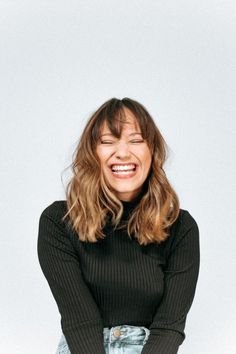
(106, 142)
(137, 141)
(111, 142)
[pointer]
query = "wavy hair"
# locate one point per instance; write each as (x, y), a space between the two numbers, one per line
(89, 199)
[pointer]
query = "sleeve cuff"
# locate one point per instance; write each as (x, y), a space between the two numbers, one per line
(163, 341)
(85, 339)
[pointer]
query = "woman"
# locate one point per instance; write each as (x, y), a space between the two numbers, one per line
(120, 256)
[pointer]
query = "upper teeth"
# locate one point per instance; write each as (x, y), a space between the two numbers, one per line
(122, 167)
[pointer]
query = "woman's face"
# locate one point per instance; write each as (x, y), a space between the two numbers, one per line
(125, 162)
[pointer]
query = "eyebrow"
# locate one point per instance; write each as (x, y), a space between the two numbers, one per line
(129, 134)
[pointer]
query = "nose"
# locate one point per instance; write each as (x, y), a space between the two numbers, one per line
(122, 150)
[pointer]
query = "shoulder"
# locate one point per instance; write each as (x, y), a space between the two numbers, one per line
(55, 211)
(186, 220)
(184, 227)
(53, 230)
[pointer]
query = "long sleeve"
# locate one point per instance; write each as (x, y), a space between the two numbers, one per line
(80, 318)
(180, 279)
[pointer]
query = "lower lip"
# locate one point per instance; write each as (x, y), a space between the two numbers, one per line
(124, 175)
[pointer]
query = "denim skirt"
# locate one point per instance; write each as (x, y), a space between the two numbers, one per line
(123, 339)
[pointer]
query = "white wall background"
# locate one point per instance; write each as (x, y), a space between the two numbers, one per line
(62, 59)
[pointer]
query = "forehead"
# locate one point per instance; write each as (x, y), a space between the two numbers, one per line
(129, 124)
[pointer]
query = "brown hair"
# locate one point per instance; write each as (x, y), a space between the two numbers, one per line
(88, 197)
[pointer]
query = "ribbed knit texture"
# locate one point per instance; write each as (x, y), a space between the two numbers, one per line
(117, 281)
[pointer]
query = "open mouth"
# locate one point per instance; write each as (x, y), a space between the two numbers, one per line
(124, 170)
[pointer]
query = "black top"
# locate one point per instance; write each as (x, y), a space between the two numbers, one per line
(116, 281)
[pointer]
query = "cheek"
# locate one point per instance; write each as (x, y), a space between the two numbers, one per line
(103, 158)
(148, 161)
(100, 154)
(145, 156)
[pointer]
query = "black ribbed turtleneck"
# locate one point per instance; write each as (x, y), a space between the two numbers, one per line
(129, 206)
(117, 281)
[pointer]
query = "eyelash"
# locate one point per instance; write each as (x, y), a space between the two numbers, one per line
(106, 142)
(132, 141)
(136, 141)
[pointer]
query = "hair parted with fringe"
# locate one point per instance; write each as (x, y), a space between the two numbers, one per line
(89, 199)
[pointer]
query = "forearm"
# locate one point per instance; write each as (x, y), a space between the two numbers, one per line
(85, 339)
(163, 342)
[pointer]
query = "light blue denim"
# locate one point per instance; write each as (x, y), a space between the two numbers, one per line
(124, 339)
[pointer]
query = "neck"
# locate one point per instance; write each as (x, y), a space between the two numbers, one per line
(135, 200)
(129, 205)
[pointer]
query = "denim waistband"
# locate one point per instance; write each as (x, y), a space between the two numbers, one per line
(126, 333)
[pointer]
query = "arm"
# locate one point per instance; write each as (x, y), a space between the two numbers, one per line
(80, 318)
(180, 279)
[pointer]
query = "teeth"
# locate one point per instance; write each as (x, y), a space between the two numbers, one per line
(123, 172)
(123, 167)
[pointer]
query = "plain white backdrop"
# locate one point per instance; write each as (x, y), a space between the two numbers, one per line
(60, 60)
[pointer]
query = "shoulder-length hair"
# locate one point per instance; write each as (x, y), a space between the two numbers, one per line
(88, 197)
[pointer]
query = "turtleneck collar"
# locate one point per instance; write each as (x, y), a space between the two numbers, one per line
(128, 207)
(131, 204)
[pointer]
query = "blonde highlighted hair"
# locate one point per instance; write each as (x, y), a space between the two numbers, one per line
(89, 199)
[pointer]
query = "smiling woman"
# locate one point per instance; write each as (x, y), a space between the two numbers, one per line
(95, 193)
(120, 256)
(125, 162)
